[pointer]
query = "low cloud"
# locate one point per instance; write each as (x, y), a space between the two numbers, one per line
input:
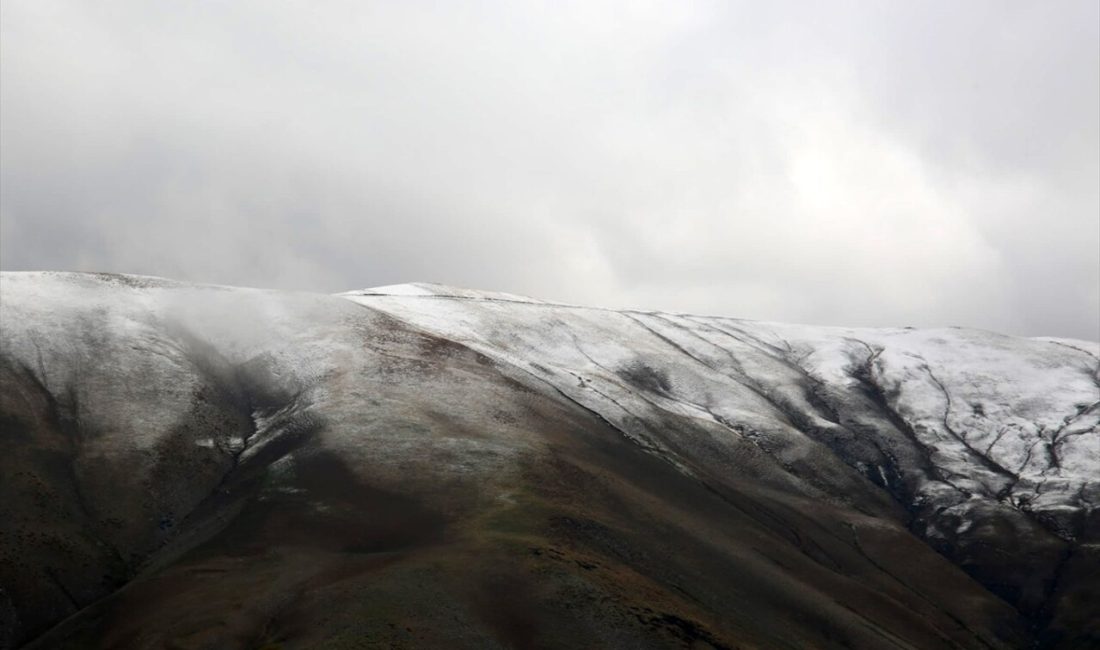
(873, 164)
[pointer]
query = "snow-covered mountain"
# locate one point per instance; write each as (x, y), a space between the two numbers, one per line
(424, 466)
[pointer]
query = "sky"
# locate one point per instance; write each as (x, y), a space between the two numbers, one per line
(842, 163)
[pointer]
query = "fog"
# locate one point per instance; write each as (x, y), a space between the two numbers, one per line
(854, 163)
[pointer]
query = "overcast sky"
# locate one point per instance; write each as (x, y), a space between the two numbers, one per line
(878, 163)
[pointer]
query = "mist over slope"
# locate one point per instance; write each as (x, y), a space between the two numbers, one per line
(424, 466)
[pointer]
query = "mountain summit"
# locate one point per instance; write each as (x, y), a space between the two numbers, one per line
(424, 466)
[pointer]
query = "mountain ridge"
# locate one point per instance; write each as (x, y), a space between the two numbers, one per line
(979, 447)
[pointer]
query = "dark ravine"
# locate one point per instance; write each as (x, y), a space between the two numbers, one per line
(421, 466)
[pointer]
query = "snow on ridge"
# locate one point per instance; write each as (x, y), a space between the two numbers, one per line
(1089, 347)
(433, 290)
(1009, 421)
(1013, 420)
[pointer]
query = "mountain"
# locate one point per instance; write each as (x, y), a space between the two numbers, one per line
(187, 466)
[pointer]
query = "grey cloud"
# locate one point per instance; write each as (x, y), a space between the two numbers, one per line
(868, 164)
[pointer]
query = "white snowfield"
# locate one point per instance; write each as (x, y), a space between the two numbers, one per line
(952, 424)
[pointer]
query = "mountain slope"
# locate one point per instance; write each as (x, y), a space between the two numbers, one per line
(195, 466)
